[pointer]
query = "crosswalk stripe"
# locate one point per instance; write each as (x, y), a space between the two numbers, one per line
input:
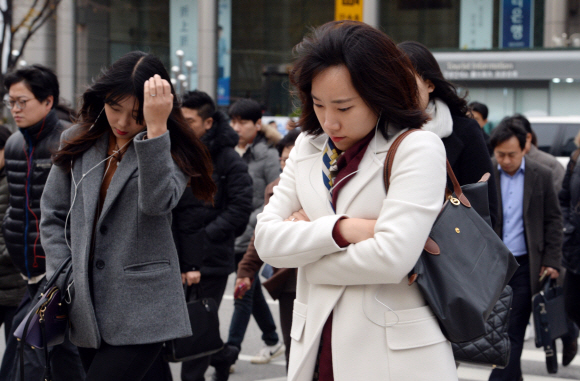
(480, 374)
(538, 355)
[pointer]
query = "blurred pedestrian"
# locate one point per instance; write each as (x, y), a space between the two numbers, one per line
(544, 158)
(530, 225)
(479, 112)
(282, 284)
(12, 285)
(263, 167)
(108, 202)
(570, 204)
(464, 144)
(205, 233)
(33, 94)
(271, 133)
(355, 316)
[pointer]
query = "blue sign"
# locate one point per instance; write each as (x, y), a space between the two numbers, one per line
(516, 24)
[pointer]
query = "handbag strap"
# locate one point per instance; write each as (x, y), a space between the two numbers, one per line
(430, 246)
(391, 158)
(60, 269)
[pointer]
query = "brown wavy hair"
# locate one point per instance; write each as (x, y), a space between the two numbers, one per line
(126, 77)
(381, 74)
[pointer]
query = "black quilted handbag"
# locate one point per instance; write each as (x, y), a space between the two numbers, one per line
(493, 348)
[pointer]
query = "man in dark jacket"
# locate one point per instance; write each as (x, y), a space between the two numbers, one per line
(205, 234)
(530, 225)
(32, 96)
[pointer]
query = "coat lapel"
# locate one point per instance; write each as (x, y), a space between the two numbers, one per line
(529, 185)
(499, 222)
(369, 167)
(91, 184)
(126, 168)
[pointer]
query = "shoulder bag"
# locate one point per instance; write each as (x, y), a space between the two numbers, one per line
(464, 266)
(549, 320)
(205, 325)
(46, 323)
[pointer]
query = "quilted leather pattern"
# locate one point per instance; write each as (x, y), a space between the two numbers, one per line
(493, 348)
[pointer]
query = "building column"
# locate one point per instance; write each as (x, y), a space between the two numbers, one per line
(65, 50)
(207, 16)
(554, 21)
(371, 14)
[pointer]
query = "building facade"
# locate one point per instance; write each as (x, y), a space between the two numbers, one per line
(514, 55)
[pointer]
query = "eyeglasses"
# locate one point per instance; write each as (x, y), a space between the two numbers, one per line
(21, 104)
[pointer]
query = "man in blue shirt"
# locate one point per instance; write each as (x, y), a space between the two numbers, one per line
(530, 224)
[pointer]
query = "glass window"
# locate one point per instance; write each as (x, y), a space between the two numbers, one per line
(568, 146)
(264, 33)
(546, 134)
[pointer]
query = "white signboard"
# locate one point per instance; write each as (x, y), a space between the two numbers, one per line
(476, 24)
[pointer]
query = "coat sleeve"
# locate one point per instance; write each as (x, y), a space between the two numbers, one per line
(552, 225)
(284, 244)
(161, 182)
(238, 189)
(474, 162)
(271, 166)
(564, 195)
(407, 215)
(186, 239)
(55, 204)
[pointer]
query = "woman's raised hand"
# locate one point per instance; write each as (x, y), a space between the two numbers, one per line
(157, 105)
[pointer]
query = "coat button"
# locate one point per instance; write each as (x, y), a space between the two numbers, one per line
(103, 229)
(100, 264)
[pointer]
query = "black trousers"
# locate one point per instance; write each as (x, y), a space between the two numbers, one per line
(286, 305)
(6, 316)
(519, 318)
(572, 296)
(119, 363)
(211, 287)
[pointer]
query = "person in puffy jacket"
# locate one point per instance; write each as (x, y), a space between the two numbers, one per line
(33, 94)
(12, 285)
(204, 233)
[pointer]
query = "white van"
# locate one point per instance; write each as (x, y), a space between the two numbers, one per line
(556, 135)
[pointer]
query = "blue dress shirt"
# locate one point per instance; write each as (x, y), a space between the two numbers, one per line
(512, 197)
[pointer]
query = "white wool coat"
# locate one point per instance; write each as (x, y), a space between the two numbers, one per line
(382, 328)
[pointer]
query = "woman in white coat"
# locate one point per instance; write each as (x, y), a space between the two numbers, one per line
(355, 316)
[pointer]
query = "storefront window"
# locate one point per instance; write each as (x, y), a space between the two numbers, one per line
(264, 33)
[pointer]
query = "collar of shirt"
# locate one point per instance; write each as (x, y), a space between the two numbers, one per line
(521, 170)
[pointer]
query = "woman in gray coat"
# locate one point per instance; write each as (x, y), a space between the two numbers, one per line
(107, 203)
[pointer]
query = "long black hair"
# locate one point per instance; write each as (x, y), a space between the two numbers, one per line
(126, 77)
(381, 74)
(427, 67)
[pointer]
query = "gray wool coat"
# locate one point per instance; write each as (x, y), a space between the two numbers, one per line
(137, 290)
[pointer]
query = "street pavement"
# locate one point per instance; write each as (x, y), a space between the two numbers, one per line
(533, 360)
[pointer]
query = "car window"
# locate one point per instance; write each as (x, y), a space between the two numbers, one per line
(546, 133)
(568, 146)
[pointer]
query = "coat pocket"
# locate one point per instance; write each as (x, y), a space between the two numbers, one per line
(412, 329)
(146, 267)
(298, 320)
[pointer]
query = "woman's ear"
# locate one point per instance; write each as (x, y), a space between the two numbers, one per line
(430, 86)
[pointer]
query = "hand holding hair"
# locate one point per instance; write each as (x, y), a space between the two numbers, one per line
(157, 105)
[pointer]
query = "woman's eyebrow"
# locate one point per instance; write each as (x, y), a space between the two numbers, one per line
(336, 100)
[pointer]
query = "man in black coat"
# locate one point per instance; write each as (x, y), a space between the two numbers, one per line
(205, 234)
(32, 96)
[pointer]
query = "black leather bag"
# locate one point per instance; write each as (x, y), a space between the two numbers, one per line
(549, 320)
(494, 347)
(464, 266)
(205, 325)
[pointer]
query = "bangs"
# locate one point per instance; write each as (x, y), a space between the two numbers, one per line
(118, 95)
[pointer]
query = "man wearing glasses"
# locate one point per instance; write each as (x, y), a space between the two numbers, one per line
(32, 96)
